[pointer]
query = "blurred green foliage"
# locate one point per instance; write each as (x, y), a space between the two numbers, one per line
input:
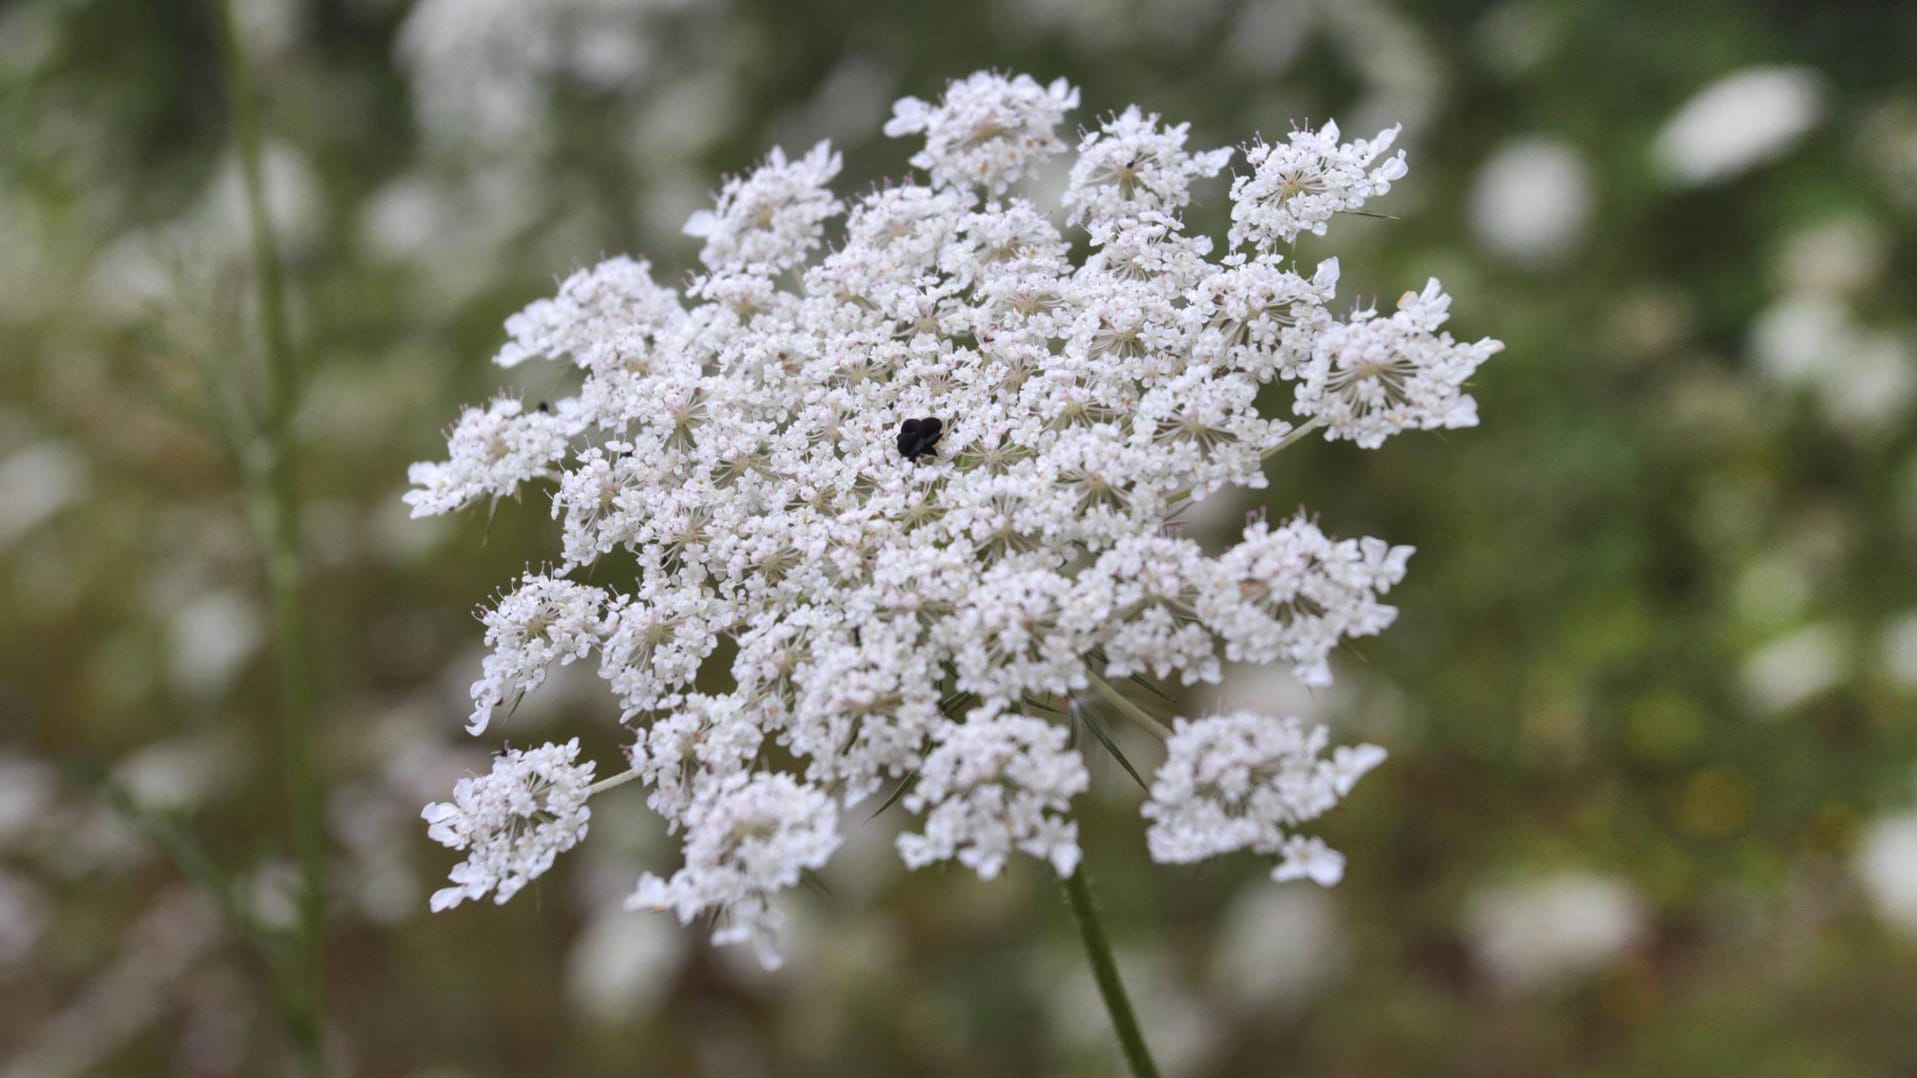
(1659, 632)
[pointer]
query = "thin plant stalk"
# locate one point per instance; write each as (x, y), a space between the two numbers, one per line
(267, 466)
(1131, 1039)
(1314, 424)
(612, 783)
(1128, 709)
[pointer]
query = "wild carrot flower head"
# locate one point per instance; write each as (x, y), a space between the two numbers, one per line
(512, 822)
(918, 473)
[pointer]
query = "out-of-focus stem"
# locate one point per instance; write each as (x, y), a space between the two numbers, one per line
(614, 782)
(1290, 439)
(1131, 1039)
(1128, 709)
(1314, 423)
(280, 382)
(267, 465)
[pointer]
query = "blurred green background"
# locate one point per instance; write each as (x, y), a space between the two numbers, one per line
(1652, 800)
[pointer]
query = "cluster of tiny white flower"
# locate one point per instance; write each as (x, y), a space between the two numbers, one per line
(543, 622)
(1241, 782)
(530, 809)
(748, 836)
(992, 786)
(923, 488)
(1297, 185)
(987, 132)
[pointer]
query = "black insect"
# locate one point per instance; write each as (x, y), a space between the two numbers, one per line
(919, 437)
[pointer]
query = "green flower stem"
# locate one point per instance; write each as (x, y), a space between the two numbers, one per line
(274, 519)
(1131, 1040)
(267, 465)
(1128, 709)
(281, 382)
(1314, 423)
(612, 783)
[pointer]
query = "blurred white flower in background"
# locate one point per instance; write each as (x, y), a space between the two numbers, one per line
(1267, 38)
(29, 35)
(833, 963)
(1101, 25)
(620, 967)
(1548, 932)
(1801, 340)
(152, 265)
(25, 912)
(269, 891)
(211, 637)
(1897, 651)
(1811, 339)
(269, 27)
(1357, 702)
(1532, 200)
(1795, 669)
(1885, 864)
(1886, 142)
(174, 934)
(415, 215)
(485, 68)
(37, 482)
(1839, 256)
(294, 200)
(376, 870)
(1276, 947)
(489, 71)
(849, 103)
(1183, 1028)
(27, 788)
(181, 773)
(1739, 122)
(1515, 37)
(1775, 588)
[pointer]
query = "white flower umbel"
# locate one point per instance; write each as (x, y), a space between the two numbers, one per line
(1132, 166)
(993, 787)
(747, 838)
(493, 450)
(891, 500)
(512, 822)
(1372, 377)
(772, 218)
(1291, 594)
(1242, 782)
(1297, 185)
(602, 317)
(545, 621)
(988, 131)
